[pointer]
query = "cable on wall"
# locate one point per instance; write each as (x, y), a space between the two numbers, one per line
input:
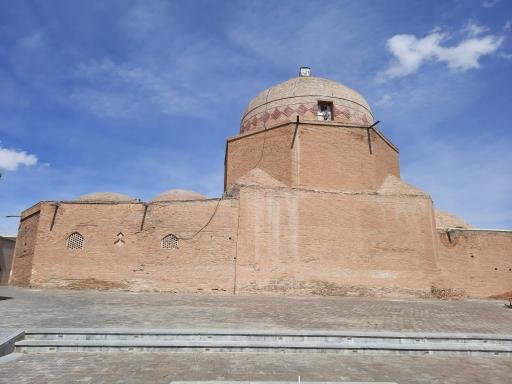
(207, 223)
(57, 205)
(264, 133)
(369, 136)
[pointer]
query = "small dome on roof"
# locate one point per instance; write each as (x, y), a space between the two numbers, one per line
(302, 96)
(178, 195)
(445, 220)
(106, 196)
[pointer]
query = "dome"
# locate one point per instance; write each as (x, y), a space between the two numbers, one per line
(106, 196)
(178, 195)
(445, 220)
(300, 96)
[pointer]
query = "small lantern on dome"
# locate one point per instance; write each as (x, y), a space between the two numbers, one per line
(305, 72)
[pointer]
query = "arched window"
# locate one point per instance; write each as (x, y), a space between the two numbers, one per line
(170, 242)
(75, 241)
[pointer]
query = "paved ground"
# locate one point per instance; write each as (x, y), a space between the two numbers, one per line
(91, 309)
(55, 308)
(126, 368)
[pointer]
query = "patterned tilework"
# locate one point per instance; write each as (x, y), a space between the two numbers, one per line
(304, 110)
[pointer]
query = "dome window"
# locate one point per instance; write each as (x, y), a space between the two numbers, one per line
(325, 110)
(170, 242)
(75, 241)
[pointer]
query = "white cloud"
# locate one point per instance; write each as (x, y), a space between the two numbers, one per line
(474, 29)
(384, 100)
(130, 91)
(32, 41)
(10, 159)
(490, 3)
(410, 52)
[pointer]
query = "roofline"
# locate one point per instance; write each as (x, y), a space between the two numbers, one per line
(476, 230)
(140, 202)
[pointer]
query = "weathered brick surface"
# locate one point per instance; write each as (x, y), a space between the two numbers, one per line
(318, 208)
(340, 158)
(476, 263)
(268, 150)
(24, 249)
(314, 154)
(447, 220)
(7, 245)
(266, 239)
(330, 243)
(384, 156)
(204, 263)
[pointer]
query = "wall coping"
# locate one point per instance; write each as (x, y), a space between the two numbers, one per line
(99, 202)
(474, 230)
(330, 191)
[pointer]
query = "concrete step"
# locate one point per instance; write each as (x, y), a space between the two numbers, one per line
(97, 340)
(252, 346)
(256, 335)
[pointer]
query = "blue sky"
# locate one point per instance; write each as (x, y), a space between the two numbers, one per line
(139, 96)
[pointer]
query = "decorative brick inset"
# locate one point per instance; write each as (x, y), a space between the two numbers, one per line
(302, 109)
(345, 112)
(305, 110)
(288, 111)
(275, 115)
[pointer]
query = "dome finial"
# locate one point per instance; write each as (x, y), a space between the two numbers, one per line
(304, 72)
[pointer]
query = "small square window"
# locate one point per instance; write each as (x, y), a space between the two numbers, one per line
(325, 109)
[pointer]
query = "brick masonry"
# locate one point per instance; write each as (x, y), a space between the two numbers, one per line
(299, 97)
(314, 207)
(315, 154)
(264, 239)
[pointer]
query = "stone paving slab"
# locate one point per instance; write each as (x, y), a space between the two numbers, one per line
(127, 368)
(93, 309)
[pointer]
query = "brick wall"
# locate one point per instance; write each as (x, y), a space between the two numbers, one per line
(305, 241)
(25, 247)
(322, 155)
(476, 263)
(347, 225)
(271, 240)
(340, 158)
(7, 245)
(385, 158)
(268, 150)
(202, 264)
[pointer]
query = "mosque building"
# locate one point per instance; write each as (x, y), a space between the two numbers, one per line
(313, 204)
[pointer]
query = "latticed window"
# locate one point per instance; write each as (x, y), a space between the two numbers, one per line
(75, 241)
(170, 242)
